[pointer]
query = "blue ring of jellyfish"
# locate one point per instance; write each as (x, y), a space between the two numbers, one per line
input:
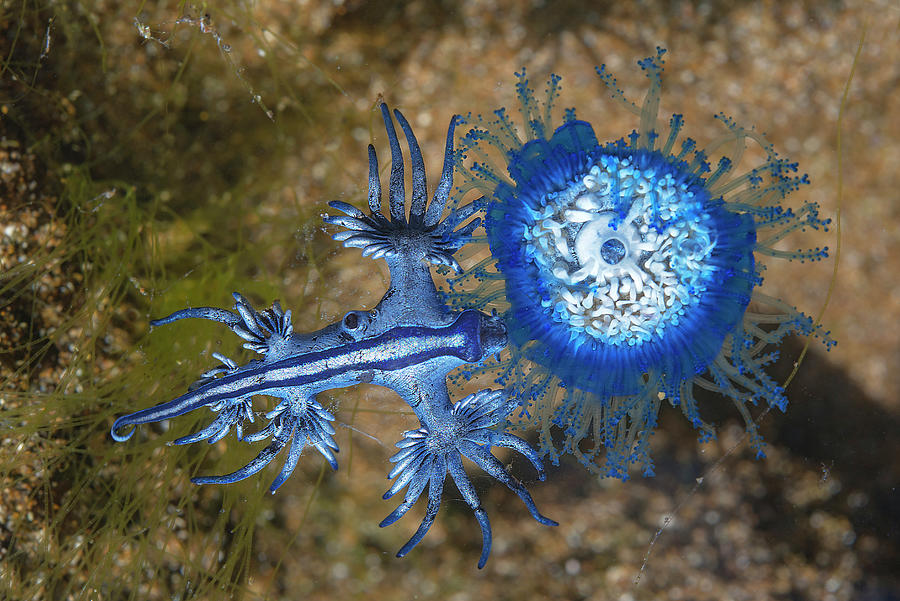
(687, 344)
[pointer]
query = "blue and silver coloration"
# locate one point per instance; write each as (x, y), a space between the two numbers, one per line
(409, 342)
(625, 271)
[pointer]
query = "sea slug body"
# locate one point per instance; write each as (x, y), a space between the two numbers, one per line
(409, 342)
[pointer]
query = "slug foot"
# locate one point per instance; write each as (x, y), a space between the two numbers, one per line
(427, 454)
(423, 236)
(266, 332)
(302, 423)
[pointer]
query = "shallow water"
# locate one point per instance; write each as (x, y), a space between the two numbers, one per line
(211, 196)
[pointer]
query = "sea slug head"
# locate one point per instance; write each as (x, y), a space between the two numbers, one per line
(493, 334)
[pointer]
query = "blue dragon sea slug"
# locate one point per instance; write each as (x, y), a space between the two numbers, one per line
(628, 272)
(409, 342)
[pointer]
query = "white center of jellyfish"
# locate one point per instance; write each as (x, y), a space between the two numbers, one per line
(622, 284)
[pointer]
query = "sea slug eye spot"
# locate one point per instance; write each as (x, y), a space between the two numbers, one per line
(355, 323)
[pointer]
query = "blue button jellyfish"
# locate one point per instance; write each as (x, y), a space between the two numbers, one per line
(625, 271)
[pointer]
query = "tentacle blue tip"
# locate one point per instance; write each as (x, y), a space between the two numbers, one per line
(390, 519)
(119, 423)
(546, 521)
(486, 538)
(226, 479)
(201, 480)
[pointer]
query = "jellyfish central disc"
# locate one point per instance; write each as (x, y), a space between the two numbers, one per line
(612, 251)
(624, 251)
